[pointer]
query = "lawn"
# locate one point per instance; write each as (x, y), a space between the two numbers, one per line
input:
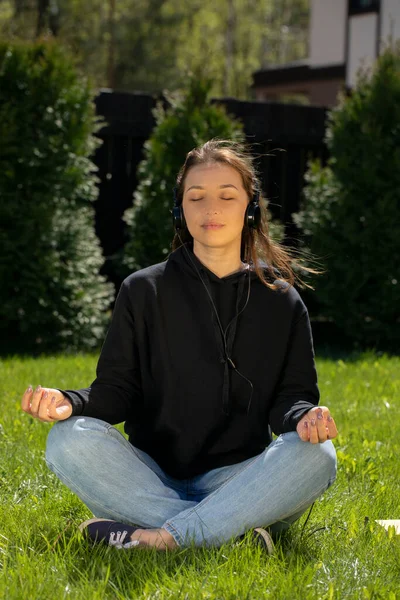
(340, 552)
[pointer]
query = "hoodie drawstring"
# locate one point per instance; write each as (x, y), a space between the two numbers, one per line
(225, 357)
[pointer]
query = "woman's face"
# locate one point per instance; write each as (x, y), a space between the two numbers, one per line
(214, 193)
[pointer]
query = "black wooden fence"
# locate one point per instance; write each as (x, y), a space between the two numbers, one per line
(283, 137)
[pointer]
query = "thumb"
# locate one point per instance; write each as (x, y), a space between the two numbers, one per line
(60, 409)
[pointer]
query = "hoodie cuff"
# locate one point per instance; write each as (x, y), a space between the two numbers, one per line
(294, 417)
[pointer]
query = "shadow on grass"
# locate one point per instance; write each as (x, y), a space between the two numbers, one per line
(137, 566)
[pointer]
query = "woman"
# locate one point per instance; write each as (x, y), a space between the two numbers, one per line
(206, 353)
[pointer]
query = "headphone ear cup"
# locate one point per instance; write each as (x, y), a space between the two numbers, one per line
(253, 215)
(178, 218)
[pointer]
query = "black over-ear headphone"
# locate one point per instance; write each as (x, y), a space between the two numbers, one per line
(252, 215)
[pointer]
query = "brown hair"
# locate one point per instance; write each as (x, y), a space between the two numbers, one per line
(256, 243)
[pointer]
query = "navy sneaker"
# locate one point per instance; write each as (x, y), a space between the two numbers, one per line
(113, 533)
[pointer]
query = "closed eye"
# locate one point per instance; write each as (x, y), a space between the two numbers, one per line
(196, 199)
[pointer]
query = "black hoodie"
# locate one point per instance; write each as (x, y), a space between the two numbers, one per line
(163, 368)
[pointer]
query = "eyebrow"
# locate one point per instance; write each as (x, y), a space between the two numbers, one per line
(224, 185)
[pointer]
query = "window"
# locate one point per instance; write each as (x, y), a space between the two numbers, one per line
(361, 6)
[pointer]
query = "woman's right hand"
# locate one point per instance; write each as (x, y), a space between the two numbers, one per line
(46, 404)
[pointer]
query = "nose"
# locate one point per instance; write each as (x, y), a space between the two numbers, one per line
(212, 206)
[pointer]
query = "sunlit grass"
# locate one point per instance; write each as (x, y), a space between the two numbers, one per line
(340, 552)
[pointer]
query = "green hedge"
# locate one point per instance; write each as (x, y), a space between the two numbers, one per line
(51, 294)
(352, 206)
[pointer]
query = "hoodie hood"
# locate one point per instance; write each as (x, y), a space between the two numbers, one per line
(228, 296)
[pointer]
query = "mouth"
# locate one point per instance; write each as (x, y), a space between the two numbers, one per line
(213, 226)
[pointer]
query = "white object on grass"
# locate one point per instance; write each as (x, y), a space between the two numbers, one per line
(391, 522)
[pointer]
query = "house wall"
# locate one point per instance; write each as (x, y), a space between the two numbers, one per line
(390, 20)
(324, 93)
(336, 38)
(362, 44)
(327, 32)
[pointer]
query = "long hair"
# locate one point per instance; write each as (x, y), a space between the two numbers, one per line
(256, 244)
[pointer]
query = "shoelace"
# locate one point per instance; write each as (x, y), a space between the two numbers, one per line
(117, 539)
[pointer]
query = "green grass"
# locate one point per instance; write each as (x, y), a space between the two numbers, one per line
(339, 553)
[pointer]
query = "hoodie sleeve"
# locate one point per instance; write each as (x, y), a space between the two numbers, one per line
(297, 391)
(117, 386)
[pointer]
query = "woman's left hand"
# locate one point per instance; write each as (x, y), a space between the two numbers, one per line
(317, 426)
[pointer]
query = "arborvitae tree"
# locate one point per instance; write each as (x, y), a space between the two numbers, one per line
(190, 121)
(351, 212)
(51, 294)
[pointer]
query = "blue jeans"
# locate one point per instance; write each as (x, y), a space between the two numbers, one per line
(118, 481)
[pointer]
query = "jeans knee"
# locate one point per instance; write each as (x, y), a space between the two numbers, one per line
(320, 459)
(327, 460)
(57, 438)
(66, 437)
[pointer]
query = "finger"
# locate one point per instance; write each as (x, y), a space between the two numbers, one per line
(313, 431)
(26, 399)
(332, 429)
(53, 409)
(321, 426)
(43, 406)
(46, 407)
(35, 400)
(304, 431)
(329, 423)
(325, 412)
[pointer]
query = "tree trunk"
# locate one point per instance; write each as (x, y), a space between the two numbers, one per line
(19, 7)
(54, 18)
(229, 46)
(42, 7)
(111, 45)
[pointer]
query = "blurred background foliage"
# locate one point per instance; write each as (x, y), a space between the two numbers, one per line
(151, 45)
(51, 293)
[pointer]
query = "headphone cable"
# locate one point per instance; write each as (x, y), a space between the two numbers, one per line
(227, 357)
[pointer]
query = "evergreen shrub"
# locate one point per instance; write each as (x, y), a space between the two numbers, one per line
(350, 214)
(51, 294)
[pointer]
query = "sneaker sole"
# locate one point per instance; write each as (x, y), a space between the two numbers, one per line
(267, 539)
(83, 525)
